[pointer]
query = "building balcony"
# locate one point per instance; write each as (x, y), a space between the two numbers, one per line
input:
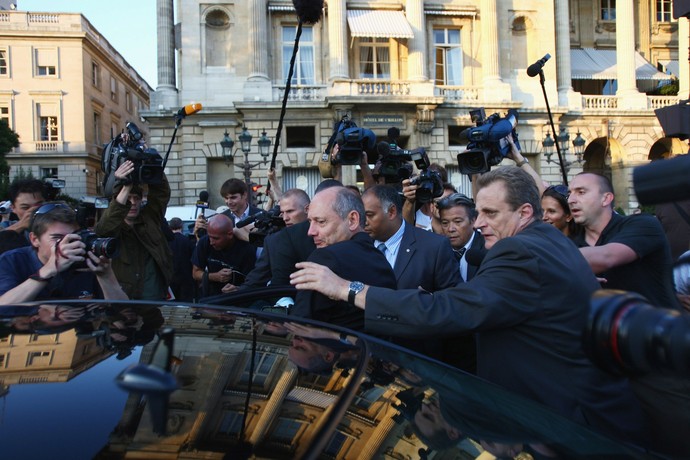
(459, 93)
(598, 102)
(305, 93)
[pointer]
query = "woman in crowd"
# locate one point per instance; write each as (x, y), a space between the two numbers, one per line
(554, 202)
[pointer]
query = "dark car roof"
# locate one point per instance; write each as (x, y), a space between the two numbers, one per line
(249, 382)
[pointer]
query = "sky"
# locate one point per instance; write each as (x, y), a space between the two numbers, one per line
(129, 26)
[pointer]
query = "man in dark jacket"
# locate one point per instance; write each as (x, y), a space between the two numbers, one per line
(144, 267)
(527, 304)
(336, 217)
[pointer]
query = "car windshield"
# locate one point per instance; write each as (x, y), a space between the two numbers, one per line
(244, 380)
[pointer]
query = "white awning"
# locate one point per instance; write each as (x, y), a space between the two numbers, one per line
(671, 68)
(378, 24)
(593, 64)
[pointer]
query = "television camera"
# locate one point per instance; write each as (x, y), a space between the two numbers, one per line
(129, 145)
(351, 140)
(487, 145)
(429, 181)
(265, 223)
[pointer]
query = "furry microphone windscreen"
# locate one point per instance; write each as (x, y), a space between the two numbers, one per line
(308, 11)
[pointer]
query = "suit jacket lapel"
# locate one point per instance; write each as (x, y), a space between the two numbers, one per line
(405, 252)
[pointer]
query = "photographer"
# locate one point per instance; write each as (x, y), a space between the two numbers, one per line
(25, 195)
(47, 268)
(144, 267)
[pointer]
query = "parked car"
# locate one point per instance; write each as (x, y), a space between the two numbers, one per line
(92, 379)
(188, 214)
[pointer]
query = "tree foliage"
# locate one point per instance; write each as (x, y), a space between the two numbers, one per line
(8, 140)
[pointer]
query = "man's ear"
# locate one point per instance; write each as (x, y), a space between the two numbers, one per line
(353, 220)
(607, 199)
(34, 240)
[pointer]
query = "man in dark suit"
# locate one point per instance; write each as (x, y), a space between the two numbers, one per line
(336, 217)
(528, 305)
(420, 259)
(457, 213)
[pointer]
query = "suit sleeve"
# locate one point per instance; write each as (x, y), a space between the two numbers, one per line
(307, 301)
(504, 293)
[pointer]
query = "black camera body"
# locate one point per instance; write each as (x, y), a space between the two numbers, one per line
(429, 181)
(265, 223)
(106, 247)
(394, 163)
(487, 146)
(148, 164)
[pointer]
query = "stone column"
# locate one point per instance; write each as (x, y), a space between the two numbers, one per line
(166, 92)
(628, 95)
(337, 40)
(684, 58)
(274, 403)
(377, 438)
(258, 66)
(563, 69)
(416, 56)
(494, 88)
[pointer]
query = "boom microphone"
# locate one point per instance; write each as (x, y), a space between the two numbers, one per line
(188, 109)
(308, 11)
(535, 68)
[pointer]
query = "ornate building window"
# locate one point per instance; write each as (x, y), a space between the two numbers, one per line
(45, 62)
(48, 128)
(4, 62)
(663, 10)
(608, 10)
(303, 73)
(374, 58)
(447, 57)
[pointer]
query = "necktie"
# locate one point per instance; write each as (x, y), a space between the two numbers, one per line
(382, 247)
(459, 253)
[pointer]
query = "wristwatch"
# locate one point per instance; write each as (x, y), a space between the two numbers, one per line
(524, 161)
(355, 288)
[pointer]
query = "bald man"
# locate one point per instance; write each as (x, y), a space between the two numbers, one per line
(220, 261)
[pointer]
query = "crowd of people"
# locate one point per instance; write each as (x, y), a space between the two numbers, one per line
(497, 283)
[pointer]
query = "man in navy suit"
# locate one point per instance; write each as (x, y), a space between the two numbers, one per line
(527, 305)
(457, 213)
(336, 223)
(420, 259)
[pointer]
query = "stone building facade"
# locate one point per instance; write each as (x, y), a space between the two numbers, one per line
(419, 66)
(64, 89)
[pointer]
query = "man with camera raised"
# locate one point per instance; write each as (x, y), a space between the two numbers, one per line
(49, 268)
(144, 267)
(25, 195)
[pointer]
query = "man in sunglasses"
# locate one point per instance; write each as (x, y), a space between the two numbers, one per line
(527, 306)
(57, 264)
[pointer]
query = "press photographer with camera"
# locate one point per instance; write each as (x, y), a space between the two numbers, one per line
(59, 264)
(144, 267)
(26, 196)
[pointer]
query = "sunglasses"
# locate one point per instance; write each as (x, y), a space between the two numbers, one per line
(561, 189)
(48, 208)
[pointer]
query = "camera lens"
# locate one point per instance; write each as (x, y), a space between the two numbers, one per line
(107, 247)
(628, 335)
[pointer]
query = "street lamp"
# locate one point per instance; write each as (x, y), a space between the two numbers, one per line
(563, 141)
(264, 145)
(579, 144)
(227, 144)
(245, 140)
(548, 146)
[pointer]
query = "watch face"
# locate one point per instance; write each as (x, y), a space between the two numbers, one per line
(356, 286)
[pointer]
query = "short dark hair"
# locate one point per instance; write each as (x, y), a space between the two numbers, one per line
(387, 195)
(441, 171)
(520, 187)
(233, 186)
(458, 199)
(50, 213)
(327, 183)
(32, 186)
(175, 223)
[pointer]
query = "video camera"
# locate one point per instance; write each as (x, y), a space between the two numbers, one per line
(429, 181)
(487, 145)
(352, 142)
(148, 164)
(53, 187)
(393, 163)
(265, 223)
(5, 207)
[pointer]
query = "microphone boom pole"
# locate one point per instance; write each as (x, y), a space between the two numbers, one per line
(548, 111)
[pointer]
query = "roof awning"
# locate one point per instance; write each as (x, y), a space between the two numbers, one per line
(593, 64)
(378, 24)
